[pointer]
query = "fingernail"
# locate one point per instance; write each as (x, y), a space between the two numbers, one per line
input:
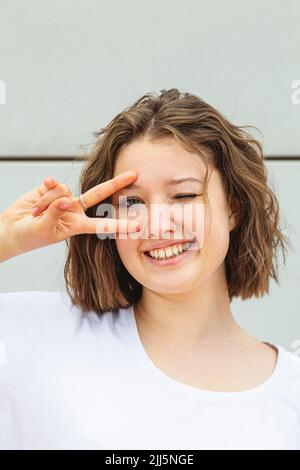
(35, 210)
(64, 205)
(134, 227)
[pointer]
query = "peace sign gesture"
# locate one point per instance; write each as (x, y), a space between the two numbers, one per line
(58, 215)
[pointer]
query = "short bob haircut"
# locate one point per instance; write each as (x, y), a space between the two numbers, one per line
(95, 277)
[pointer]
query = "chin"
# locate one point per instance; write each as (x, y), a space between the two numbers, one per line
(170, 286)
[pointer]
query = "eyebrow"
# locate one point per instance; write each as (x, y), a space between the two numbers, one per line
(171, 182)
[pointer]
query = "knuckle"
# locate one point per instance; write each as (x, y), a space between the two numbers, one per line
(98, 191)
(64, 189)
(113, 185)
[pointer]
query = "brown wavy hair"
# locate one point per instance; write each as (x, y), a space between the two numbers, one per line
(95, 277)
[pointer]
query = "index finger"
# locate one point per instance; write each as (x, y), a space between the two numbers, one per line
(103, 190)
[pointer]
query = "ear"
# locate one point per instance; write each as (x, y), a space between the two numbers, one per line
(234, 214)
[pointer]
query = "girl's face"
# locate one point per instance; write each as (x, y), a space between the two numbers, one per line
(156, 164)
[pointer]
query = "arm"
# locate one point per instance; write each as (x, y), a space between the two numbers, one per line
(7, 249)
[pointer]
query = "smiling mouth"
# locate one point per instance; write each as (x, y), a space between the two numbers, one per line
(171, 251)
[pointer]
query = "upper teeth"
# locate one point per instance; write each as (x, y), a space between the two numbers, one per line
(169, 251)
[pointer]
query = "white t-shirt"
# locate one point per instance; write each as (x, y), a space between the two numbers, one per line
(69, 382)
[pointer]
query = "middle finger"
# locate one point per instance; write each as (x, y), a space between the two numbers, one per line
(53, 194)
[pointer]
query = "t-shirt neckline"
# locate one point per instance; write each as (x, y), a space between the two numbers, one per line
(149, 366)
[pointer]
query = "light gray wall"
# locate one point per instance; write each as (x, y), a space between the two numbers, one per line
(71, 65)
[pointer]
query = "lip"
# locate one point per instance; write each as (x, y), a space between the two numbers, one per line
(166, 243)
(172, 261)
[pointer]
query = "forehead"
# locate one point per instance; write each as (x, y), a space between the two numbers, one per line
(161, 158)
(158, 162)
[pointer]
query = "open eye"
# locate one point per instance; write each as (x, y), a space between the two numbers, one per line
(128, 201)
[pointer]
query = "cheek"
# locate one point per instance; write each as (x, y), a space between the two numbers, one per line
(127, 250)
(216, 235)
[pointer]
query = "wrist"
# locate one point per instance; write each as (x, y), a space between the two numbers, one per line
(6, 249)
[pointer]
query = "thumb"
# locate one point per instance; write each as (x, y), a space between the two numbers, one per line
(54, 211)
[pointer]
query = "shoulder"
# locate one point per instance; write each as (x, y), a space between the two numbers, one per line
(44, 329)
(31, 305)
(291, 361)
(35, 318)
(28, 318)
(288, 375)
(13, 301)
(28, 322)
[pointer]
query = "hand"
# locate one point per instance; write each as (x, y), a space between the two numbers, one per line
(53, 223)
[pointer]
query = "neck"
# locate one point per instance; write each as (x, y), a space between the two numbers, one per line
(194, 318)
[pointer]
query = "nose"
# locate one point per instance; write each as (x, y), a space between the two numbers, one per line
(176, 221)
(161, 223)
(165, 221)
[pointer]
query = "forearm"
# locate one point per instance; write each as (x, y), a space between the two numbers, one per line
(6, 248)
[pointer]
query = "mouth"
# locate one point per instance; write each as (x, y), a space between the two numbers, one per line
(172, 254)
